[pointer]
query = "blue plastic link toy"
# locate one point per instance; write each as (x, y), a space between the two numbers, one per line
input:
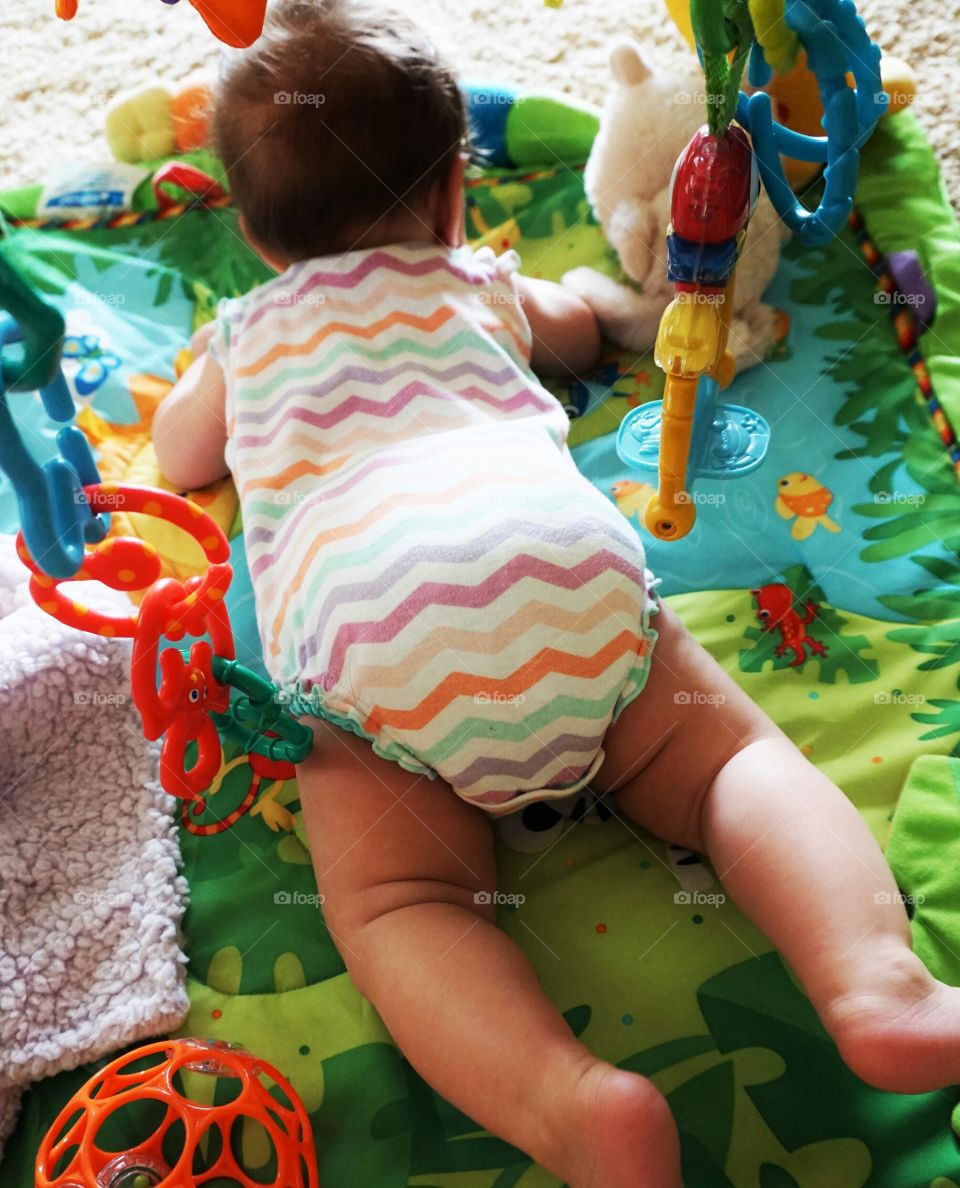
(56, 519)
(837, 43)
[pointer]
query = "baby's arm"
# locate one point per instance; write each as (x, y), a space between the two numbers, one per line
(189, 429)
(566, 336)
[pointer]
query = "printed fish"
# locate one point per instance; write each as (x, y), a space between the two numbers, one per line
(802, 496)
(632, 497)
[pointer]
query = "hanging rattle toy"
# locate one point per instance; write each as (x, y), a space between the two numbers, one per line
(235, 22)
(688, 435)
(64, 513)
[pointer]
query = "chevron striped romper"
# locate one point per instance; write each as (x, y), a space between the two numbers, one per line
(430, 569)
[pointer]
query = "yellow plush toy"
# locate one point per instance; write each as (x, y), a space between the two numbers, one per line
(796, 98)
(157, 121)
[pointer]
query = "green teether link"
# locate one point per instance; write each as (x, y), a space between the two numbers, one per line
(257, 713)
(42, 328)
(712, 31)
(720, 26)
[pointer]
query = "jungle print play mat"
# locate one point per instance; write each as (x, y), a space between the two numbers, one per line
(633, 939)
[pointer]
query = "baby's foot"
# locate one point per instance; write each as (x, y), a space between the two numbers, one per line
(620, 1133)
(902, 1032)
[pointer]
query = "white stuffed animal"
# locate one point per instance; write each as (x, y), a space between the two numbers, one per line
(647, 119)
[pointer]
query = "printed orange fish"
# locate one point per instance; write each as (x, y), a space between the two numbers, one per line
(802, 496)
(632, 497)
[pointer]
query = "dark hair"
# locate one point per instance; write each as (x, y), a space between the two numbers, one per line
(337, 115)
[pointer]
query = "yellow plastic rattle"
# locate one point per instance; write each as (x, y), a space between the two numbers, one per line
(713, 192)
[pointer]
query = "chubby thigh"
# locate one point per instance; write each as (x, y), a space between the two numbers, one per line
(667, 747)
(382, 837)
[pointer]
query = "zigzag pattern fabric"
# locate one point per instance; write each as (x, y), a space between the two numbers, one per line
(430, 569)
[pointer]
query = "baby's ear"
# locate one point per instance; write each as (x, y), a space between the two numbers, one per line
(628, 65)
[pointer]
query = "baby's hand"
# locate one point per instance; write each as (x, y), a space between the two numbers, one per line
(566, 336)
(189, 428)
(201, 338)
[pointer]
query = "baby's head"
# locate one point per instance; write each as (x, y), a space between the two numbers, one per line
(341, 128)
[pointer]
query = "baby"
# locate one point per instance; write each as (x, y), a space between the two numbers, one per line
(435, 578)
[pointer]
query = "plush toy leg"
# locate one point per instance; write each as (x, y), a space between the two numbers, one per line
(752, 334)
(626, 317)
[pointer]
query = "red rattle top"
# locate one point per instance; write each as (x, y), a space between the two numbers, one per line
(711, 196)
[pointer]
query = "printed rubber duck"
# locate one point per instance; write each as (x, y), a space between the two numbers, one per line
(632, 497)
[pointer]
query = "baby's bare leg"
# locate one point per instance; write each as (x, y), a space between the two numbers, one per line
(400, 861)
(696, 762)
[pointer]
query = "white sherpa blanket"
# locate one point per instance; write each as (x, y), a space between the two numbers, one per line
(90, 897)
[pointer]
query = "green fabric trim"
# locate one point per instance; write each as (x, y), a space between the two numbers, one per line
(922, 854)
(904, 204)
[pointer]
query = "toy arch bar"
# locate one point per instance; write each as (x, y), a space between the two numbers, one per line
(837, 44)
(235, 22)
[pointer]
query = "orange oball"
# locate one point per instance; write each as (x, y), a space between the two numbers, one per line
(198, 1097)
(190, 109)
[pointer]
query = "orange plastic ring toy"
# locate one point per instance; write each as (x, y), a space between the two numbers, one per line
(122, 562)
(205, 1137)
(189, 693)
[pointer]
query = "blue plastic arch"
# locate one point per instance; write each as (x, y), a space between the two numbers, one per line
(837, 43)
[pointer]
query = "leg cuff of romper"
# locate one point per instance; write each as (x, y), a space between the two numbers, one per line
(515, 803)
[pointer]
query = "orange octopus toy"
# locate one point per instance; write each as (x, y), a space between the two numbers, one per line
(235, 22)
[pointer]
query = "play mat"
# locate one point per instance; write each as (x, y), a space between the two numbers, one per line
(652, 968)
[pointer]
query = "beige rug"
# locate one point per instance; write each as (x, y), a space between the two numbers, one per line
(57, 78)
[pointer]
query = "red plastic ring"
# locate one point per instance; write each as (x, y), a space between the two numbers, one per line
(122, 562)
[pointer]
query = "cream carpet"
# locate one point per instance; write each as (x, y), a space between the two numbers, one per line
(58, 78)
